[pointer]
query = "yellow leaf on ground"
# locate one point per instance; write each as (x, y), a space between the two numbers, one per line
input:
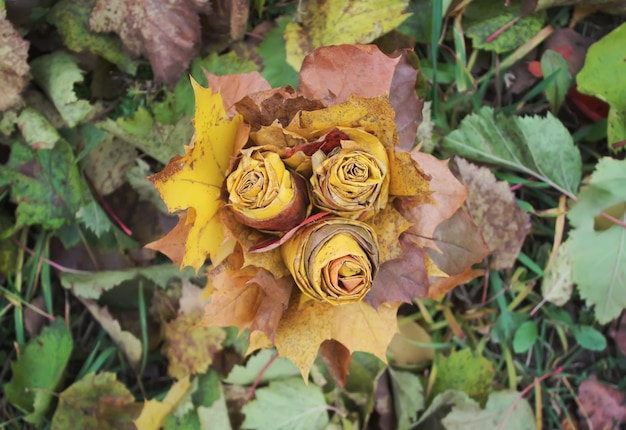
(154, 412)
(193, 182)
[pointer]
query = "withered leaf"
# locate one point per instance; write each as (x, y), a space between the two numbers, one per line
(163, 31)
(324, 76)
(13, 65)
(448, 194)
(190, 349)
(337, 360)
(247, 298)
(602, 404)
(173, 243)
(492, 206)
(461, 245)
(235, 87)
(401, 279)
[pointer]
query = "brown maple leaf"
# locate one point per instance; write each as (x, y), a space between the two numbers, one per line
(164, 31)
(13, 65)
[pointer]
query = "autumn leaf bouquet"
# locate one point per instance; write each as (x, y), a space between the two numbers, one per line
(317, 216)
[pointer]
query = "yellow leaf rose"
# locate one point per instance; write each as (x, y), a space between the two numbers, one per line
(333, 260)
(263, 194)
(352, 180)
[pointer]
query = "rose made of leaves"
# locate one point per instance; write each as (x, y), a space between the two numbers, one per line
(279, 161)
(333, 260)
(264, 194)
(352, 180)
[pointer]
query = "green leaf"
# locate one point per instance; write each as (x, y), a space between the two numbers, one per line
(589, 338)
(94, 218)
(540, 147)
(92, 285)
(506, 324)
(525, 337)
(37, 131)
(605, 60)
(598, 255)
(466, 371)
(274, 54)
(45, 184)
(341, 21)
(553, 63)
(499, 413)
(57, 74)
(287, 404)
(39, 370)
(95, 402)
(281, 367)
(71, 17)
(483, 18)
(408, 396)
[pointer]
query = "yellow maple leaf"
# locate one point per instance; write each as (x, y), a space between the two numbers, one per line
(193, 182)
(304, 326)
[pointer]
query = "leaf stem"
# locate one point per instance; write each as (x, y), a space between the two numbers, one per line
(257, 381)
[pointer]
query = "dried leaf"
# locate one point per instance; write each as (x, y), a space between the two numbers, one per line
(164, 32)
(188, 348)
(402, 279)
(389, 225)
(303, 328)
(603, 405)
(557, 285)
(247, 298)
(448, 195)
(235, 87)
(339, 22)
(337, 360)
(13, 65)
(173, 243)
(107, 164)
(193, 182)
(402, 350)
(323, 77)
(492, 205)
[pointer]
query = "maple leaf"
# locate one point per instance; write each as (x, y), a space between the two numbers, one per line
(193, 182)
(305, 326)
(13, 65)
(163, 31)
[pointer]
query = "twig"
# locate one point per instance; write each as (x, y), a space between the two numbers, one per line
(48, 261)
(257, 381)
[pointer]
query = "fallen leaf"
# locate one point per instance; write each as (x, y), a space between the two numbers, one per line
(491, 204)
(95, 401)
(34, 380)
(467, 371)
(389, 225)
(602, 404)
(234, 87)
(13, 65)
(274, 54)
(340, 22)
(173, 243)
(57, 74)
(483, 18)
(71, 18)
(553, 63)
(45, 184)
(127, 342)
(604, 61)
(408, 396)
(557, 285)
(402, 350)
(284, 404)
(37, 131)
(618, 333)
(193, 182)
(504, 409)
(597, 255)
(259, 365)
(190, 349)
(164, 32)
(448, 195)
(540, 147)
(107, 163)
(154, 412)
